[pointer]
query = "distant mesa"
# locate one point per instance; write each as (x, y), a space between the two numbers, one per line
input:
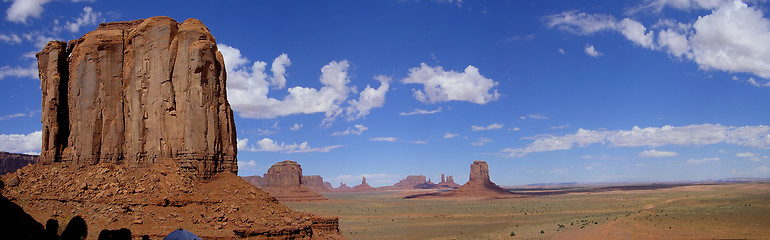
(447, 182)
(411, 181)
(316, 183)
(10, 162)
(479, 186)
(422, 182)
(284, 181)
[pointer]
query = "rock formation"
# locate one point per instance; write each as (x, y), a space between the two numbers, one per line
(284, 181)
(10, 162)
(410, 181)
(137, 133)
(138, 93)
(447, 182)
(257, 181)
(363, 187)
(342, 188)
(479, 186)
(316, 183)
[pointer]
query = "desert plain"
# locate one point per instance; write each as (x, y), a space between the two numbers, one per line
(629, 211)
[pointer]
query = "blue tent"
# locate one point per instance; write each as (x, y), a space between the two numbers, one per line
(181, 234)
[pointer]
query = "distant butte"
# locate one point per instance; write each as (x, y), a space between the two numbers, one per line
(284, 181)
(479, 186)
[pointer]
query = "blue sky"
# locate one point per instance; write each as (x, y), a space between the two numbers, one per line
(544, 91)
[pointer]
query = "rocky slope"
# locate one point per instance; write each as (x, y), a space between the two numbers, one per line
(127, 93)
(10, 162)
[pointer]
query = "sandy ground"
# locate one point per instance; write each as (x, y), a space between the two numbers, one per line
(704, 211)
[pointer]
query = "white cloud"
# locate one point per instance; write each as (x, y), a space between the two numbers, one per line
(533, 116)
(10, 116)
(268, 145)
(368, 98)
(450, 135)
(593, 165)
(20, 143)
(750, 155)
(10, 38)
(691, 135)
(20, 10)
(295, 127)
(359, 128)
(656, 153)
(514, 129)
(278, 80)
(420, 111)
(248, 87)
(243, 165)
(581, 23)
(482, 141)
(762, 169)
(384, 139)
(420, 142)
(443, 86)
(702, 160)
(591, 51)
(745, 154)
(731, 38)
(19, 72)
(561, 51)
(488, 127)
(88, 17)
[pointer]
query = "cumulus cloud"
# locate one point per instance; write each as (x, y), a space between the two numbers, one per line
(591, 51)
(533, 116)
(488, 127)
(368, 98)
(420, 111)
(702, 160)
(88, 17)
(450, 135)
(295, 127)
(269, 145)
(21, 143)
(656, 153)
(249, 85)
(20, 10)
(359, 128)
(731, 38)
(691, 135)
(442, 86)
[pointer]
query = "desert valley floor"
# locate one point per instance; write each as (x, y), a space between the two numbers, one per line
(654, 211)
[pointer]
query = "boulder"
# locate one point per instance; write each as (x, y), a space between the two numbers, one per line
(138, 93)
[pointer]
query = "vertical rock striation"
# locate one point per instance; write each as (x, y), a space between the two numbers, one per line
(138, 93)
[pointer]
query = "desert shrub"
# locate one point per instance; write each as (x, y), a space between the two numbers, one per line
(541, 231)
(513, 234)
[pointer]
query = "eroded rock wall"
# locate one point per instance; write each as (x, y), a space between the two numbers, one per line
(138, 93)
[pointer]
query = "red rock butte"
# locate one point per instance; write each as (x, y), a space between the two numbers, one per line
(479, 186)
(138, 93)
(284, 181)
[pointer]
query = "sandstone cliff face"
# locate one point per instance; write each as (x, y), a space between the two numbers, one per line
(10, 162)
(479, 186)
(138, 93)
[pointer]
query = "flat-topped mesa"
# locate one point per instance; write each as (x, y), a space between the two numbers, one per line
(284, 181)
(479, 172)
(411, 181)
(138, 93)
